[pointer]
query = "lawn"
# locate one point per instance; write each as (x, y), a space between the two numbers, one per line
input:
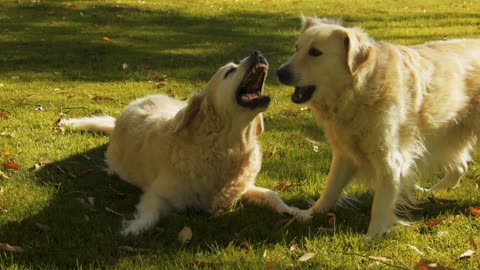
(59, 209)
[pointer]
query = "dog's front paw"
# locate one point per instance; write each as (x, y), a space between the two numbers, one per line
(300, 215)
(131, 227)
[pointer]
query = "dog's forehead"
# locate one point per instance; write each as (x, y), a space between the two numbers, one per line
(317, 34)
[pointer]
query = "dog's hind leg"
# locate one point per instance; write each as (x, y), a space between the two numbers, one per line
(149, 210)
(454, 173)
(263, 196)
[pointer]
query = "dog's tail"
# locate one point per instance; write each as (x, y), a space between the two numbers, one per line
(97, 123)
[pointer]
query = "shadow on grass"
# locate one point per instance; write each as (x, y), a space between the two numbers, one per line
(71, 232)
(58, 41)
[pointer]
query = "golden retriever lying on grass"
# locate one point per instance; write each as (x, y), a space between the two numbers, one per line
(202, 155)
(389, 111)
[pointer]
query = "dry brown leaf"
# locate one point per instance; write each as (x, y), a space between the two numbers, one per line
(101, 98)
(467, 254)
(11, 249)
(3, 175)
(284, 185)
(472, 243)
(11, 166)
(42, 227)
(127, 249)
(434, 222)
(295, 247)
(91, 202)
(312, 141)
(306, 257)
(269, 265)
(267, 154)
(114, 212)
(5, 152)
(245, 245)
(385, 259)
(419, 252)
(290, 112)
(474, 211)
(3, 116)
(185, 235)
(106, 39)
(429, 265)
(85, 204)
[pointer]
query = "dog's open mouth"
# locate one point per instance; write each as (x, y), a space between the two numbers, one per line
(303, 94)
(249, 93)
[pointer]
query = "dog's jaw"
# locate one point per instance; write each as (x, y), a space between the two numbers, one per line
(303, 94)
(249, 93)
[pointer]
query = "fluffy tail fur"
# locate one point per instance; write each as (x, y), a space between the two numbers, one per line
(98, 123)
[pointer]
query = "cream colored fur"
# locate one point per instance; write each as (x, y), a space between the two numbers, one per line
(390, 112)
(202, 154)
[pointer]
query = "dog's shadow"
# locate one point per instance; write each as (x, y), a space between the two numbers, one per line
(82, 221)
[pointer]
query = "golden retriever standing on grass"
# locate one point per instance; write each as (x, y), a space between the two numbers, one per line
(202, 155)
(389, 111)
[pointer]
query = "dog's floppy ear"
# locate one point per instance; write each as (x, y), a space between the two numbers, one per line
(359, 53)
(259, 128)
(185, 115)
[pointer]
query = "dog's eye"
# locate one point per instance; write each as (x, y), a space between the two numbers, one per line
(314, 52)
(230, 71)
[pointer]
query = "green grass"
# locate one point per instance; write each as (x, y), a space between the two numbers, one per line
(56, 53)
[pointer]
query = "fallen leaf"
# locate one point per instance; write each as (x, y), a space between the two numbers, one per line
(42, 227)
(3, 116)
(295, 247)
(3, 175)
(434, 222)
(114, 212)
(5, 152)
(11, 166)
(381, 258)
(267, 154)
(245, 245)
(91, 202)
(185, 235)
(12, 249)
(100, 98)
(306, 257)
(428, 265)
(472, 243)
(312, 141)
(419, 252)
(106, 39)
(440, 200)
(474, 211)
(127, 249)
(284, 185)
(269, 265)
(467, 254)
(85, 204)
(290, 112)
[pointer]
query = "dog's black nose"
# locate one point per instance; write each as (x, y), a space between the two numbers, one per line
(284, 76)
(258, 57)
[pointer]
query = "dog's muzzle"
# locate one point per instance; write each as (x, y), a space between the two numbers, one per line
(249, 93)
